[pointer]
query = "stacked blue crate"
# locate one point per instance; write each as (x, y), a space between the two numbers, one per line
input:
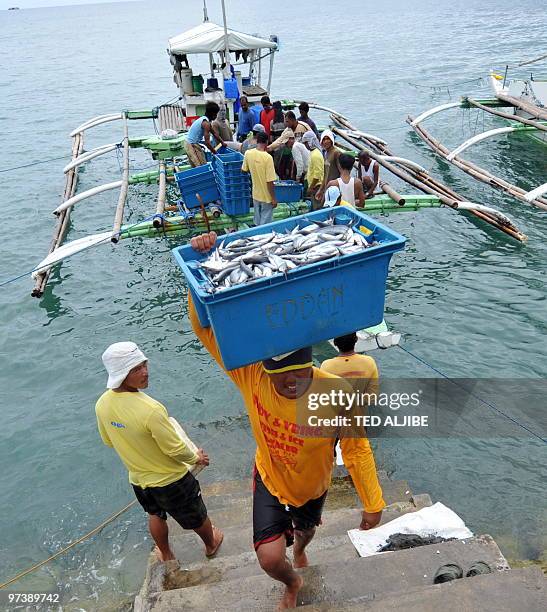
(234, 185)
(200, 180)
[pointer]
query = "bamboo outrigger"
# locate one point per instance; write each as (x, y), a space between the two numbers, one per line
(527, 98)
(170, 217)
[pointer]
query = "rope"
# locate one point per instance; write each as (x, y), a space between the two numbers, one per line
(71, 545)
(43, 161)
(446, 86)
(122, 229)
(86, 536)
(455, 382)
(526, 62)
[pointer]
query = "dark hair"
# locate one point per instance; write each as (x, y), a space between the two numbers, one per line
(262, 137)
(346, 343)
(279, 117)
(304, 106)
(346, 161)
(243, 98)
(211, 110)
(290, 115)
(265, 100)
(362, 153)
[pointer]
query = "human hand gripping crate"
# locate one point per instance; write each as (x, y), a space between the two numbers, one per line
(278, 287)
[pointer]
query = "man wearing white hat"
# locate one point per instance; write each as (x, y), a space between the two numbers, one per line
(139, 430)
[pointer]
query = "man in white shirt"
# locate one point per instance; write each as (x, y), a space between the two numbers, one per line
(301, 157)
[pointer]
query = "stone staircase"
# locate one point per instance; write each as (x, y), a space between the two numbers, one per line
(337, 579)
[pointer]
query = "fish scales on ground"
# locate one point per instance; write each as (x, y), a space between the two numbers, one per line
(264, 255)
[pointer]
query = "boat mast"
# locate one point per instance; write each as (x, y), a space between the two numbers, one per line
(226, 42)
(205, 15)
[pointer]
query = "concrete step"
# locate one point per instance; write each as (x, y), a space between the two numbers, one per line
(236, 557)
(337, 581)
(329, 549)
(188, 548)
(235, 507)
(519, 589)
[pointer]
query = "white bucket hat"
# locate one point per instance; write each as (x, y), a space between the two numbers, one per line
(119, 359)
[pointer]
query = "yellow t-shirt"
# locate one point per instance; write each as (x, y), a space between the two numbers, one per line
(360, 368)
(261, 166)
(316, 168)
(294, 468)
(138, 429)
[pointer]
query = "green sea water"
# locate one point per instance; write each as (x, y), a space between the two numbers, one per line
(468, 299)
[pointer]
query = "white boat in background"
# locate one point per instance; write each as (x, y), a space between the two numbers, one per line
(527, 96)
(522, 103)
(229, 52)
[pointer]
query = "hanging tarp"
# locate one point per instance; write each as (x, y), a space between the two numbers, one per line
(209, 38)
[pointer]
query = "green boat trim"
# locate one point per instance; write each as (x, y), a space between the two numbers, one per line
(191, 226)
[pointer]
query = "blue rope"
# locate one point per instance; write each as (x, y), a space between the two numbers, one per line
(455, 382)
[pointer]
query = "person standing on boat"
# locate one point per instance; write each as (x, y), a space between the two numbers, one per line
(368, 172)
(301, 159)
(330, 154)
(351, 188)
(292, 472)
(139, 430)
(316, 169)
(292, 126)
(266, 114)
(221, 128)
(277, 124)
(201, 130)
(250, 142)
(259, 163)
(245, 120)
(304, 109)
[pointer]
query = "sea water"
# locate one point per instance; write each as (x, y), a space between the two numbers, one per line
(468, 299)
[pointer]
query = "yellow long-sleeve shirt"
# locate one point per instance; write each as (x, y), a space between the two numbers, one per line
(138, 428)
(294, 468)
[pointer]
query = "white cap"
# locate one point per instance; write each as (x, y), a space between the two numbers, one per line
(119, 359)
(331, 196)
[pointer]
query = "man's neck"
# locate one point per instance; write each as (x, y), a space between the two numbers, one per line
(125, 389)
(348, 354)
(261, 146)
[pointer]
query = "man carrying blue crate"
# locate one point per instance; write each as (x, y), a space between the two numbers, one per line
(292, 471)
(261, 167)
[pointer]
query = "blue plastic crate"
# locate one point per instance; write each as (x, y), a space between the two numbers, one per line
(233, 180)
(310, 304)
(234, 191)
(209, 156)
(288, 191)
(228, 162)
(237, 206)
(200, 180)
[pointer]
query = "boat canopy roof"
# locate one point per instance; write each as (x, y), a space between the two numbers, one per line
(209, 37)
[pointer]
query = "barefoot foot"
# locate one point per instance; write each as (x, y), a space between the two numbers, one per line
(289, 599)
(219, 536)
(300, 559)
(163, 557)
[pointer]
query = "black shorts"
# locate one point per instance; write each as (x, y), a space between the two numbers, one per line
(181, 499)
(271, 519)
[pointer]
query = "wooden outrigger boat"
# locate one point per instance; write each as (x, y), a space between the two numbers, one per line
(527, 99)
(224, 83)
